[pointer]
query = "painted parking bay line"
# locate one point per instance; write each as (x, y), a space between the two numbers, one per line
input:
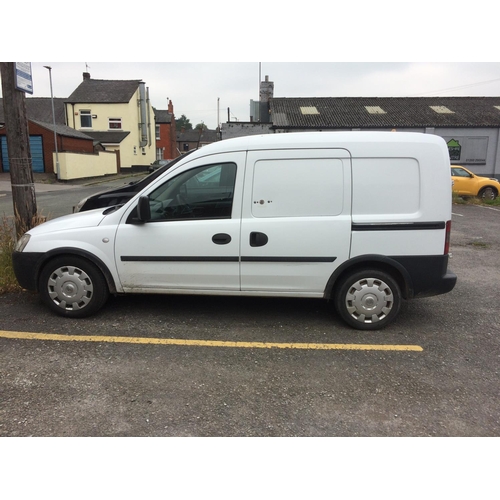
(206, 343)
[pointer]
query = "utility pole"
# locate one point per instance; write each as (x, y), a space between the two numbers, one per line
(18, 144)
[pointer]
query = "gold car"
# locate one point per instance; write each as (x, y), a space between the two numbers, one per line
(465, 183)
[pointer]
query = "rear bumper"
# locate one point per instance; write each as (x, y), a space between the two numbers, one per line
(428, 275)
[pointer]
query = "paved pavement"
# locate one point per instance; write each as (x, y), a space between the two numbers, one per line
(45, 183)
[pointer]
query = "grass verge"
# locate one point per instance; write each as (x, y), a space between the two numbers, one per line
(472, 200)
(8, 281)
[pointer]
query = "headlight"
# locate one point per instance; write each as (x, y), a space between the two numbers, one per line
(22, 242)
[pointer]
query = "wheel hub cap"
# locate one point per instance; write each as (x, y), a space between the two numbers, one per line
(70, 288)
(369, 300)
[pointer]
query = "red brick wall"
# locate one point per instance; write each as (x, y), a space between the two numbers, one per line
(70, 144)
(167, 140)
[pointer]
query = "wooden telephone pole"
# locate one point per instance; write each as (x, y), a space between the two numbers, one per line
(18, 144)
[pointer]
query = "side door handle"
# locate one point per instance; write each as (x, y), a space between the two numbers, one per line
(258, 239)
(221, 238)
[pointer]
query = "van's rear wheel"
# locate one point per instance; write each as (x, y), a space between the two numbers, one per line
(368, 299)
(73, 287)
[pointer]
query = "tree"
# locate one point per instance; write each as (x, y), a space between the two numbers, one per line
(201, 126)
(183, 123)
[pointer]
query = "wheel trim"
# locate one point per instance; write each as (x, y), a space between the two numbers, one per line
(70, 288)
(369, 300)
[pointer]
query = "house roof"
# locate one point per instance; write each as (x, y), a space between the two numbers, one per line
(194, 136)
(162, 116)
(384, 112)
(104, 91)
(108, 137)
(63, 130)
(40, 109)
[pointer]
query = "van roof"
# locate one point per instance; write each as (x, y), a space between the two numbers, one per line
(308, 140)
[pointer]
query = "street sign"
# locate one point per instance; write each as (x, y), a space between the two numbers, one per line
(23, 77)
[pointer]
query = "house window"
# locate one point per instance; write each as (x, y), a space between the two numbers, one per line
(158, 133)
(115, 123)
(185, 147)
(85, 119)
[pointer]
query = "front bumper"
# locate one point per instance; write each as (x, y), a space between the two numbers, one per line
(26, 267)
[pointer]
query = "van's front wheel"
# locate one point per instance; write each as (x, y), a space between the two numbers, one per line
(368, 299)
(73, 287)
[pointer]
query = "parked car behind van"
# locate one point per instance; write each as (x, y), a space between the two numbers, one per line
(466, 183)
(361, 219)
(119, 196)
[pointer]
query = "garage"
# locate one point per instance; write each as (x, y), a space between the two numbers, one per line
(36, 148)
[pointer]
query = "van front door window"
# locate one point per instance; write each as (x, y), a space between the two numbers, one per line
(201, 193)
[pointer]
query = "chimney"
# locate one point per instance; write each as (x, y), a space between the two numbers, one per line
(86, 76)
(265, 95)
(170, 107)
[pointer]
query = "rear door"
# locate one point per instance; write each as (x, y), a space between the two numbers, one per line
(296, 220)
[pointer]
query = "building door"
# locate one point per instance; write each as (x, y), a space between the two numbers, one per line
(36, 148)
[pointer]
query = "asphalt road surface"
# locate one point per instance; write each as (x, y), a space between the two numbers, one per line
(218, 366)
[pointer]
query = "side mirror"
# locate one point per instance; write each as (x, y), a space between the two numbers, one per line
(143, 209)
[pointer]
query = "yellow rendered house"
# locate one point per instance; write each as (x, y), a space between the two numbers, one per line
(118, 115)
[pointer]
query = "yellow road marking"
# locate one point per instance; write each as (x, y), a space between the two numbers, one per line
(206, 343)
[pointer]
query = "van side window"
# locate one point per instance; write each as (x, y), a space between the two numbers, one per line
(200, 193)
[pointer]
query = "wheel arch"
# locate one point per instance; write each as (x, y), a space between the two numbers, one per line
(381, 262)
(58, 252)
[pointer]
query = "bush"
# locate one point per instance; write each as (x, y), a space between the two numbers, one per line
(8, 281)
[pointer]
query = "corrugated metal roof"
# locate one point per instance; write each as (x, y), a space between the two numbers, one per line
(353, 112)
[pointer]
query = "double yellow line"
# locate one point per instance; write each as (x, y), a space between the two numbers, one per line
(206, 343)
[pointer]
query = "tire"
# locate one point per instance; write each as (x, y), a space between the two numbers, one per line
(487, 193)
(368, 299)
(73, 287)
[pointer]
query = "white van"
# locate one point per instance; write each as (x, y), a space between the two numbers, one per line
(359, 218)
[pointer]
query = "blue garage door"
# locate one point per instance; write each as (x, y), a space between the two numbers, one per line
(36, 148)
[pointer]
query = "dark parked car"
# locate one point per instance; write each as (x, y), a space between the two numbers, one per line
(157, 164)
(119, 196)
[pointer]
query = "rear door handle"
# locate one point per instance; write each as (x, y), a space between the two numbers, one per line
(258, 239)
(221, 238)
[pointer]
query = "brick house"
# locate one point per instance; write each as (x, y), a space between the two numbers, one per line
(41, 132)
(166, 147)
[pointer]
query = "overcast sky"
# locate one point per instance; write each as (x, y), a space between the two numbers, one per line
(200, 90)
(347, 34)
